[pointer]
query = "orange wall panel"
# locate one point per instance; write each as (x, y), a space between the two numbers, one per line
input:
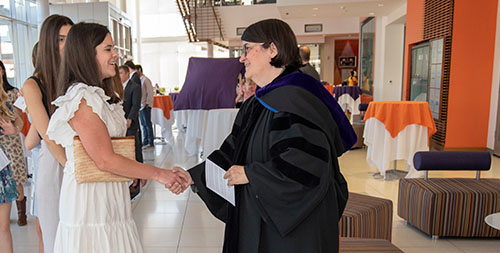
(414, 34)
(473, 47)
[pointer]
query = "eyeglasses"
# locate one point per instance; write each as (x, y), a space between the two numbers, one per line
(247, 49)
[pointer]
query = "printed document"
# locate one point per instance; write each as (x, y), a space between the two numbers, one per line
(216, 182)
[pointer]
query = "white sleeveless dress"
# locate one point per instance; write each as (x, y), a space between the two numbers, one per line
(94, 217)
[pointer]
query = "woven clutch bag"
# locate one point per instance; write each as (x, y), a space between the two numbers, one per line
(85, 169)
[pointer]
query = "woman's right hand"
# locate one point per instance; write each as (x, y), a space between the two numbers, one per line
(176, 182)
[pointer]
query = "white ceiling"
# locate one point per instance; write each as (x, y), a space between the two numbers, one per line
(338, 8)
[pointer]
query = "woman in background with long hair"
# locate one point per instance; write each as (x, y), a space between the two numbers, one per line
(10, 124)
(39, 91)
(14, 150)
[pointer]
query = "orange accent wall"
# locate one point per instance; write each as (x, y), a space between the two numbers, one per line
(414, 34)
(473, 48)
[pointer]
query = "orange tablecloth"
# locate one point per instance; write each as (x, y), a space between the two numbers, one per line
(164, 103)
(396, 115)
(27, 124)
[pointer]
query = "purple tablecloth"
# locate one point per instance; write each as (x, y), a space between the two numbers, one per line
(354, 91)
(210, 84)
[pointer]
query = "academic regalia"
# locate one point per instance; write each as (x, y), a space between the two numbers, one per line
(288, 136)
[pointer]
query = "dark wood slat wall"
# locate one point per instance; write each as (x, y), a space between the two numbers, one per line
(438, 23)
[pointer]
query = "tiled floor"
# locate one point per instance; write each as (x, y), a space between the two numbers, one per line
(170, 223)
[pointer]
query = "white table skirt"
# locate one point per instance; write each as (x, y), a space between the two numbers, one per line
(219, 125)
(383, 149)
(194, 123)
(157, 118)
(346, 102)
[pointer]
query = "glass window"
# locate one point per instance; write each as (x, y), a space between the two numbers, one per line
(419, 72)
(6, 49)
(23, 54)
(366, 61)
(435, 76)
(20, 8)
(32, 12)
(5, 8)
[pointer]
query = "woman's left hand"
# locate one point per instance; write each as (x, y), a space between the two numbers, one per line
(236, 175)
(8, 128)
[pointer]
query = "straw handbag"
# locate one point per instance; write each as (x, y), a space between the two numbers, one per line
(85, 169)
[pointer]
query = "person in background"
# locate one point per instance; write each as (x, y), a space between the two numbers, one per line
(245, 90)
(353, 79)
(133, 75)
(131, 106)
(39, 91)
(305, 54)
(146, 105)
(32, 143)
(281, 154)
(10, 124)
(14, 150)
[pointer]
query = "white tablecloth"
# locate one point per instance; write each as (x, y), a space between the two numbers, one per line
(205, 129)
(193, 123)
(157, 118)
(383, 149)
(346, 102)
(219, 125)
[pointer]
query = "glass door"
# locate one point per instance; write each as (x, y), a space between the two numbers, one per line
(419, 72)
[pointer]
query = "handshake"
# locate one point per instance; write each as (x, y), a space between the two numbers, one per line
(176, 180)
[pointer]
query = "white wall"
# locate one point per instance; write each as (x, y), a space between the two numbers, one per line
(379, 55)
(388, 58)
(494, 87)
(327, 55)
(393, 62)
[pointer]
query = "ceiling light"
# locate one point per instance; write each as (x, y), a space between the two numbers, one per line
(315, 9)
(380, 5)
(371, 13)
(314, 15)
(342, 7)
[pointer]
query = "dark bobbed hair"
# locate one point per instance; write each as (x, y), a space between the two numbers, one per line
(139, 67)
(130, 64)
(279, 33)
(79, 61)
(48, 59)
(5, 82)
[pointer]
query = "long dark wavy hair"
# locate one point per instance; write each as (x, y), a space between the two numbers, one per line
(79, 60)
(48, 59)
(5, 82)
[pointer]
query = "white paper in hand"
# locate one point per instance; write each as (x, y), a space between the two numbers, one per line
(214, 176)
(20, 103)
(4, 161)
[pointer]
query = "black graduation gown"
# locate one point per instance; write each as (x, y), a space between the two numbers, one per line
(288, 143)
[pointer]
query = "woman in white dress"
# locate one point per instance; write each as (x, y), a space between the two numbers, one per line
(96, 217)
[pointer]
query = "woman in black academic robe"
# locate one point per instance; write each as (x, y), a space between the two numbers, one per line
(281, 154)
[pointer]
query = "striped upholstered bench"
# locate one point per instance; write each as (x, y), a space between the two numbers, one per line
(367, 245)
(366, 217)
(450, 207)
